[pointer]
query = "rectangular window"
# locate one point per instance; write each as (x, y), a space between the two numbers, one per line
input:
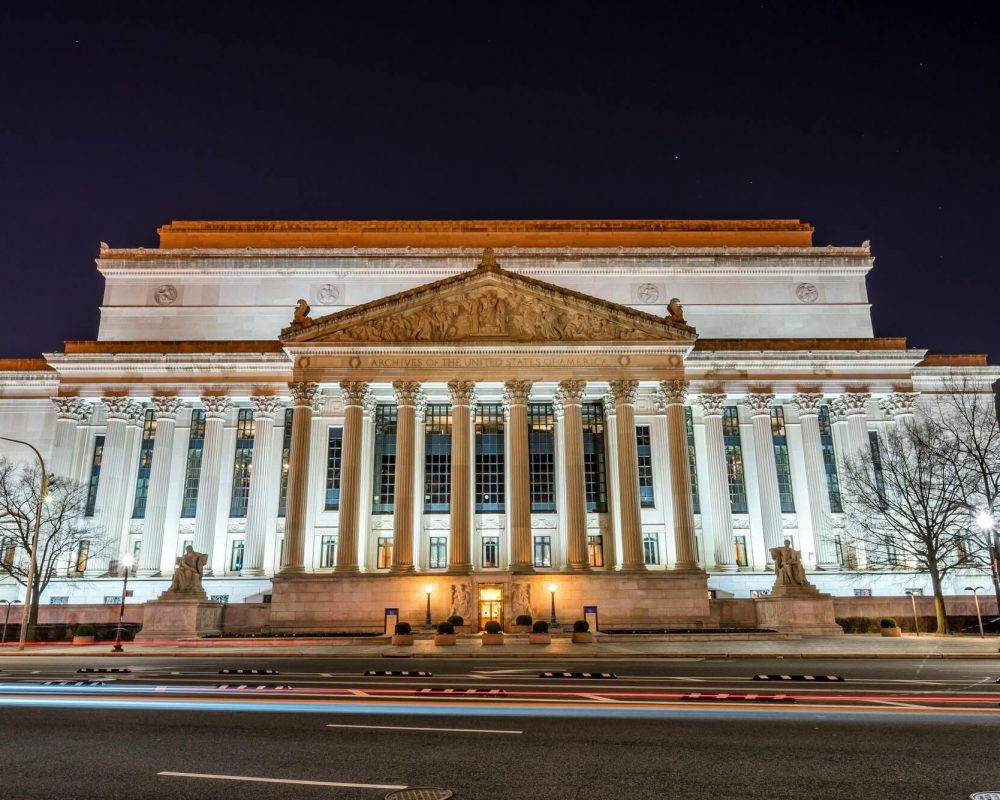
(734, 459)
(692, 460)
(136, 556)
(651, 549)
(876, 449)
(543, 551)
(439, 552)
(830, 461)
(245, 429)
(236, 556)
(327, 551)
(779, 438)
(192, 467)
(112, 599)
(489, 458)
(384, 552)
(334, 456)
(437, 459)
(82, 555)
(491, 552)
(219, 598)
(286, 454)
(595, 550)
(594, 469)
(95, 474)
(145, 464)
(542, 457)
(7, 551)
(740, 548)
(644, 451)
(384, 485)
(61, 600)
(866, 592)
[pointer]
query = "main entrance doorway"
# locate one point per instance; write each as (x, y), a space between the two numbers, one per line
(490, 604)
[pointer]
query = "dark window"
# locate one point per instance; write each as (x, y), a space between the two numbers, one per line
(595, 550)
(145, 463)
(692, 460)
(491, 552)
(594, 469)
(334, 453)
(876, 448)
(779, 439)
(830, 461)
(734, 459)
(327, 551)
(541, 457)
(192, 467)
(543, 551)
(651, 549)
(236, 557)
(439, 552)
(384, 485)
(489, 458)
(95, 474)
(286, 454)
(437, 459)
(645, 457)
(245, 429)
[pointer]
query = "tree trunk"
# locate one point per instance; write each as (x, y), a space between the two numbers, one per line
(939, 610)
(33, 612)
(995, 568)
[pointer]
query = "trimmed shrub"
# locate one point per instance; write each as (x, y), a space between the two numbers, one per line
(541, 626)
(581, 626)
(84, 629)
(888, 622)
(492, 626)
(446, 627)
(456, 620)
(403, 628)
(523, 619)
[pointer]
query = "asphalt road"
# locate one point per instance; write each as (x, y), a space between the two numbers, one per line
(891, 729)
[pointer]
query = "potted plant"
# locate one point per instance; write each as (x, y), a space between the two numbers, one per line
(493, 633)
(445, 635)
(889, 627)
(84, 634)
(457, 620)
(522, 623)
(540, 633)
(581, 632)
(402, 635)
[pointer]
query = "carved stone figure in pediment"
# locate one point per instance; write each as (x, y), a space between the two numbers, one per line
(301, 316)
(675, 311)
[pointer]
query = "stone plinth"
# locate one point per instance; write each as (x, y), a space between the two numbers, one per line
(798, 609)
(183, 618)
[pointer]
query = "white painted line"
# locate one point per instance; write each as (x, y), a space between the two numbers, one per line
(278, 780)
(400, 728)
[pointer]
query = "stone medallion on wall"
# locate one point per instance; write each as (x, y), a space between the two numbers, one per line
(648, 293)
(328, 294)
(807, 292)
(165, 295)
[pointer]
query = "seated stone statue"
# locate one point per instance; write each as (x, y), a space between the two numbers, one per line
(788, 567)
(188, 572)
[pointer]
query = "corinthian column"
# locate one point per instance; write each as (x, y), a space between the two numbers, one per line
(71, 412)
(354, 393)
(624, 394)
(808, 404)
(719, 503)
(462, 399)
(759, 404)
(407, 394)
(302, 395)
(570, 399)
(207, 515)
(165, 410)
(515, 400)
(263, 477)
(853, 406)
(901, 406)
(674, 393)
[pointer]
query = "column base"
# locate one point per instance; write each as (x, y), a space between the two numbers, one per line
(686, 566)
(633, 568)
(583, 566)
(252, 573)
(458, 569)
(401, 569)
(727, 568)
(830, 567)
(522, 569)
(292, 569)
(347, 569)
(148, 573)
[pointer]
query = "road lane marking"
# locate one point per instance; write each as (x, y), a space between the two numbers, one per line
(210, 777)
(402, 728)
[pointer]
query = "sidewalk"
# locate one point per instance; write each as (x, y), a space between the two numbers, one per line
(516, 647)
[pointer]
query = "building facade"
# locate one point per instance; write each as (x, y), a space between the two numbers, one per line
(326, 402)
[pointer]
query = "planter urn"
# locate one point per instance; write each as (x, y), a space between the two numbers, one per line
(402, 639)
(540, 638)
(892, 632)
(583, 637)
(444, 639)
(492, 638)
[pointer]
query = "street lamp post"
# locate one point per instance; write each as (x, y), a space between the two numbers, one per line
(43, 492)
(427, 619)
(6, 619)
(127, 562)
(975, 593)
(913, 602)
(552, 593)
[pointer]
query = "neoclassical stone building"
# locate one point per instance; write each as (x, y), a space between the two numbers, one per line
(348, 415)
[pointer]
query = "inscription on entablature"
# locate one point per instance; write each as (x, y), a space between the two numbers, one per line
(454, 362)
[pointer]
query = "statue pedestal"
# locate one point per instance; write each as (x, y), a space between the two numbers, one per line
(180, 615)
(798, 609)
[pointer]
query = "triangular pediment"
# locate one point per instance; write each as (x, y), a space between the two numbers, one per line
(488, 304)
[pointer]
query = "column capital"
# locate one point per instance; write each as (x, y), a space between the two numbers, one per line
(124, 408)
(167, 407)
(712, 403)
(570, 393)
(72, 408)
(623, 392)
(407, 392)
(807, 403)
(369, 404)
(899, 404)
(854, 403)
(216, 407)
(463, 393)
(515, 393)
(266, 405)
(674, 392)
(353, 392)
(420, 404)
(759, 403)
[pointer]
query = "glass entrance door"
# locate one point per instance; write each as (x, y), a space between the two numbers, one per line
(490, 605)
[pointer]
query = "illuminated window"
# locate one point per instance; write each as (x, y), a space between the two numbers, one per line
(95, 474)
(490, 457)
(541, 457)
(236, 555)
(439, 552)
(437, 459)
(594, 469)
(734, 459)
(740, 548)
(82, 555)
(334, 457)
(644, 452)
(145, 464)
(384, 485)
(192, 467)
(7, 552)
(543, 551)
(245, 430)
(384, 552)
(595, 550)
(779, 440)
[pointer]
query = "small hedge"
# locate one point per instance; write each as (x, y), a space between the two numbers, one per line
(523, 619)
(84, 629)
(540, 627)
(403, 628)
(446, 628)
(456, 620)
(492, 626)
(888, 622)
(581, 626)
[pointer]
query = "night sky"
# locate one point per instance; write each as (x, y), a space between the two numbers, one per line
(871, 121)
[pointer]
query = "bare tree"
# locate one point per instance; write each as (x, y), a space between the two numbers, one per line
(905, 511)
(63, 527)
